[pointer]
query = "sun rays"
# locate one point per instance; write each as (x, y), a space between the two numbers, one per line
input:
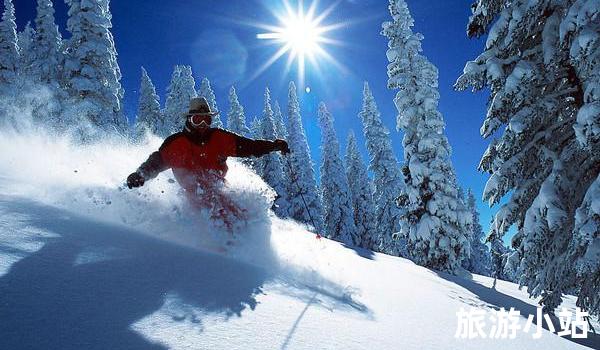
(302, 35)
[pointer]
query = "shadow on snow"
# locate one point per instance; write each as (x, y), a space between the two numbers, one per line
(48, 301)
(362, 252)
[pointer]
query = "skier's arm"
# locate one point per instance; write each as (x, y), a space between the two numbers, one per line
(245, 147)
(153, 166)
(148, 170)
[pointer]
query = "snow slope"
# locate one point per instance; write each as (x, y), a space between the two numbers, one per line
(86, 264)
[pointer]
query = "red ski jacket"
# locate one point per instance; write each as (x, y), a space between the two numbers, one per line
(199, 157)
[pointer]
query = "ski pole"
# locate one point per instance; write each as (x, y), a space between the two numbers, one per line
(294, 179)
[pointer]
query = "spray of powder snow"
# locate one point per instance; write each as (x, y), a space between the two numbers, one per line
(89, 180)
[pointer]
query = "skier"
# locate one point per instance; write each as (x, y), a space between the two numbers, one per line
(198, 154)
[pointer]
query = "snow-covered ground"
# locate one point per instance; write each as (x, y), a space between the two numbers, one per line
(87, 264)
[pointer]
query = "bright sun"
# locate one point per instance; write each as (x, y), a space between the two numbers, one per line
(301, 34)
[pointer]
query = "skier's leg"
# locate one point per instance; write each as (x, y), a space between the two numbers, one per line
(232, 207)
(213, 196)
(195, 201)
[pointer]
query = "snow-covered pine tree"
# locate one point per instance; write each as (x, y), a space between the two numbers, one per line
(361, 189)
(541, 62)
(149, 116)
(581, 29)
(236, 119)
(280, 129)
(337, 202)
(29, 97)
(479, 261)
(179, 93)
(256, 131)
(271, 164)
(173, 105)
(91, 73)
(26, 54)
(207, 92)
(499, 254)
(256, 128)
(386, 173)
(47, 68)
(436, 222)
(302, 182)
(48, 45)
(25, 95)
(9, 49)
(281, 133)
(584, 249)
(512, 260)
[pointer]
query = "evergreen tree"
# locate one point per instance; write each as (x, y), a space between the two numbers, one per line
(174, 105)
(302, 182)
(436, 222)
(47, 61)
(583, 250)
(256, 131)
(179, 93)
(361, 189)
(271, 167)
(387, 176)
(479, 260)
(280, 129)
(25, 94)
(26, 47)
(9, 49)
(149, 116)
(207, 92)
(541, 62)
(499, 254)
(256, 128)
(48, 44)
(337, 201)
(92, 75)
(236, 120)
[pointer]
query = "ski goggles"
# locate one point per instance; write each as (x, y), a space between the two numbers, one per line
(200, 120)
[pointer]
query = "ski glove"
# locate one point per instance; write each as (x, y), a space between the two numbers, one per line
(135, 180)
(282, 146)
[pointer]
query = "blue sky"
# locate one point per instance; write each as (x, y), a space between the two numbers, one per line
(212, 37)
